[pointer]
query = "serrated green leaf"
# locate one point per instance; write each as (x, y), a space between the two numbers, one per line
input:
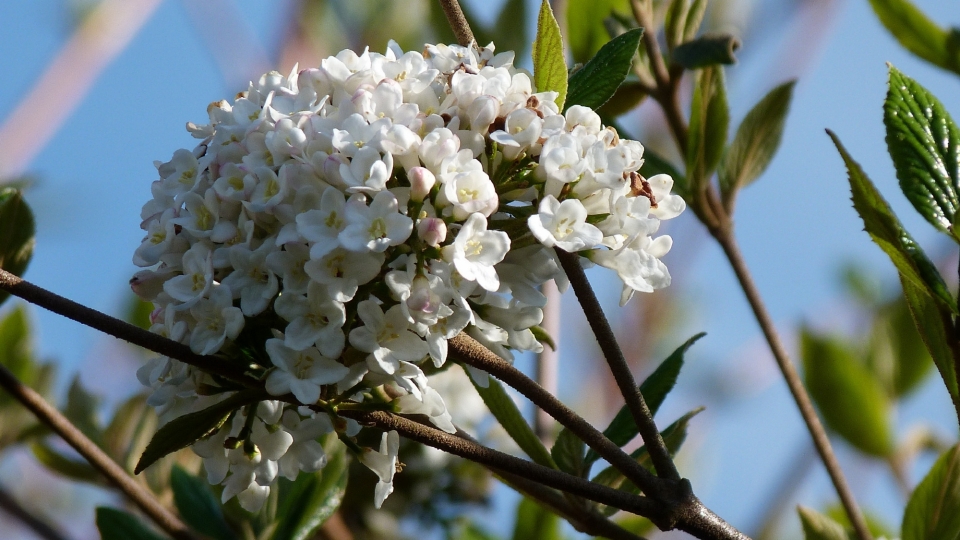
(568, 453)
(918, 34)
(308, 502)
(197, 505)
(936, 329)
(549, 66)
(885, 229)
(593, 84)
(535, 522)
(933, 512)
(694, 19)
(924, 144)
(654, 389)
(68, 467)
(755, 143)
(586, 33)
(507, 413)
(674, 22)
(851, 400)
(709, 120)
(654, 164)
(119, 525)
(817, 526)
(17, 230)
(183, 431)
(673, 437)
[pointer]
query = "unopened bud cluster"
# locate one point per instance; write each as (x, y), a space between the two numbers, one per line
(334, 228)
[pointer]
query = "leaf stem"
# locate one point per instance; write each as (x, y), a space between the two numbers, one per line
(659, 454)
(458, 22)
(139, 495)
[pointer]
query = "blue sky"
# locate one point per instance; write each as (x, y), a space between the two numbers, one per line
(795, 225)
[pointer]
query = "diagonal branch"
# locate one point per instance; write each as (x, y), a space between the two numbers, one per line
(51, 417)
(659, 454)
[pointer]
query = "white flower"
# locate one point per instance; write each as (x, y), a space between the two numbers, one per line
(563, 224)
(301, 373)
(476, 250)
(314, 319)
(305, 454)
(375, 227)
(322, 226)
(216, 321)
(197, 277)
(386, 336)
(384, 464)
(470, 192)
(252, 277)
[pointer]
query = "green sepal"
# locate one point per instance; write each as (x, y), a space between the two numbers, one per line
(817, 526)
(924, 144)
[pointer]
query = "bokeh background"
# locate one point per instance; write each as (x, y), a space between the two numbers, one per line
(93, 93)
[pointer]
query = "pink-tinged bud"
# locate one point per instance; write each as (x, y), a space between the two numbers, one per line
(433, 231)
(421, 182)
(147, 284)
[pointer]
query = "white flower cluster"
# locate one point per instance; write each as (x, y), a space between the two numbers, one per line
(335, 227)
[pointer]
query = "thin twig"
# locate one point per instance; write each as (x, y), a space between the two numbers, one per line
(659, 454)
(469, 351)
(116, 328)
(640, 505)
(728, 243)
(458, 22)
(40, 527)
(137, 494)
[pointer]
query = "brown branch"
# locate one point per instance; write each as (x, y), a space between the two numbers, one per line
(39, 527)
(469, 351)
(659, 454)
(458, 22)
(728, 243)
(117, 328)
(139, 495)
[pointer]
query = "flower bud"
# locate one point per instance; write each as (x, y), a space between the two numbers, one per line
(421, 182)
(433, 231)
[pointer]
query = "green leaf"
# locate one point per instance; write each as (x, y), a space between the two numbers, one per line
(129, 431)
(654, 389)
(17, 230)
(673, 437)
(568, 453)
(935, 325)
(918, 34)
(924, 144)
(593, 84)
(197, 505)
(851, 400)
(694, 19)
(549, 66)
(896, 353)
(933, 512)
(507, 413)
(308, 502)
(817, 526)
(68, 467)
(183, 431)
(674, 22)
(81, 410)
(709, 120)
(119, 525)
(15, 348)
(885, 229)
(755, 143)
(630, 94)
(707, 50)
(535, 522)
(586, 33)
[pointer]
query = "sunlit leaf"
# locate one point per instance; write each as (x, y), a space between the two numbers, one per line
(817, 526)
(924, 144)
(918, 34)
(586, 32)
(935, 326)
(549, 66)
(933, 512)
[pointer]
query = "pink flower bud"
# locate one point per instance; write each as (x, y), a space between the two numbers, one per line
(421, 182)
(433, 231)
